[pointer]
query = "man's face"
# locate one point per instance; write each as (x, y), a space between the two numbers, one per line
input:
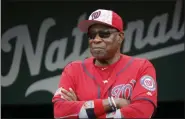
(104, 41)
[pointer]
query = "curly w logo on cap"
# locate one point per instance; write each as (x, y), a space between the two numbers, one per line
(95, 15)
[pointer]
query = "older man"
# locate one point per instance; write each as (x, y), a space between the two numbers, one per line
(108, 84)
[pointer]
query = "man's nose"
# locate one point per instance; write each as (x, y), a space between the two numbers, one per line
(97, 39)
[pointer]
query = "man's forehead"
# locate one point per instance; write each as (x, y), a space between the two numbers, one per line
(96, 27)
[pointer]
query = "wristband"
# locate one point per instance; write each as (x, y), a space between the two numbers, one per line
(110, 103)
(114, 103)
(98, 107)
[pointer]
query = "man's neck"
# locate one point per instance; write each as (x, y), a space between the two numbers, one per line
(109, 61)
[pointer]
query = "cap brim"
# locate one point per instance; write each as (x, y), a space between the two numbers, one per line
(85, 24)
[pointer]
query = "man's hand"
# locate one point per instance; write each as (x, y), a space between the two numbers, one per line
(69, 95)
(120, 102)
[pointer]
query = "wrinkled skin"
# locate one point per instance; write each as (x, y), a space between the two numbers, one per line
(105, 50)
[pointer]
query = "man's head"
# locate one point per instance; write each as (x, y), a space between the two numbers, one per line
(105, 32)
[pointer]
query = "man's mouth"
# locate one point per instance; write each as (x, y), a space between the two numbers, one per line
(97, 48)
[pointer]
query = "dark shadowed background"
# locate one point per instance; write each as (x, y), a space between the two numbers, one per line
(40, 38)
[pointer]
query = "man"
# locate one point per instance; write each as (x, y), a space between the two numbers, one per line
(108, 84)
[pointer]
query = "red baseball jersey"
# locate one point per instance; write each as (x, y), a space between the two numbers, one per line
(130, 78)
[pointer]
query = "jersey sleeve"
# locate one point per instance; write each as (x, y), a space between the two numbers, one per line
(144, 95)
(62, 107)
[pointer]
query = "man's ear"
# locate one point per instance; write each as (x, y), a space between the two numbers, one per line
(121, 37)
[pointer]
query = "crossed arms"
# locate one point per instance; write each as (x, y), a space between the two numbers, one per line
(141, 105)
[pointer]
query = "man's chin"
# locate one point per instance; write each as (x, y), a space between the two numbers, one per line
(101, 58)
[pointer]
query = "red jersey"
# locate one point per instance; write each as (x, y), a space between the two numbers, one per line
(130, 78)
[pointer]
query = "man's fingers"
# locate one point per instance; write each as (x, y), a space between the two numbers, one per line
(66, 97)
(68, 94)
(71, 90)
(64, 90)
